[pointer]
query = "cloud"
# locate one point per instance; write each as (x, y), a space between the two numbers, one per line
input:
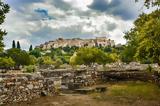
(80, 4)
(126, 9)
(37, 21)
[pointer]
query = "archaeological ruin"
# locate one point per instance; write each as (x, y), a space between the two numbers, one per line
(60, 42)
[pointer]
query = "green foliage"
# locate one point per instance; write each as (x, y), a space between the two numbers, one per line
(113, 57)
(150, 69)
(20, 57)
(67, 49)
(35, 53)
(128, 53)
(33, 59)
(18, 45)
(45, 60)
(149, 3)
(30, 68)
(144, 39)
(57, 63)
(6, 62)
(4, 9)
(108, 49)
(88, 56)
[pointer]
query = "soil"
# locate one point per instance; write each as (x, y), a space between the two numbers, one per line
(81, 100)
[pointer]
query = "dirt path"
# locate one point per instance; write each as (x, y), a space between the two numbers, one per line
(81, 100)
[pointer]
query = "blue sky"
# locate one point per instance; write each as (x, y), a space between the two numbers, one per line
(37, 21)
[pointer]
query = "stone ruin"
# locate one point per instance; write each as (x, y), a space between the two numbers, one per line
(72, 79)
(25, 87)
(133, 66)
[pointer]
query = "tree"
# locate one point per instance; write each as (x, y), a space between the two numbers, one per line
(18, 45)
(35, 53)
(145, 37)
(30, 48)
(6, 62)
(4, 9)
(149, 3)
(20, 57)
(13, 44)
(128, 54)
(88, 56)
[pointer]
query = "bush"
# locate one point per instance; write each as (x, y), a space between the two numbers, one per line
(30, 68)
(88, 56)
(33, 59)
(149, 68)
(57, 63)
(6, 62)
(46, 60)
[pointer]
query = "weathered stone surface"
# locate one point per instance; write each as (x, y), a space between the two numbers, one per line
(30, 86)
(133, 66)
(24, 87)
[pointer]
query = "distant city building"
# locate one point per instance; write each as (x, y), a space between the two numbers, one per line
(60, 42)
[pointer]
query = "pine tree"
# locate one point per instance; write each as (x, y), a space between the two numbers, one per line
(13, 44)
(18, 45)
(4, 9)
(30, 48)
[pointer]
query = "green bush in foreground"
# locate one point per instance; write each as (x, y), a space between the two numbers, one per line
(30, 68)
(6, 62)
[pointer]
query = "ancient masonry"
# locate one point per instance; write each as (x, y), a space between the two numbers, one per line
(25, 86)
(60, 42)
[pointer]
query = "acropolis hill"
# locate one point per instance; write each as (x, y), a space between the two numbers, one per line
(60, 42)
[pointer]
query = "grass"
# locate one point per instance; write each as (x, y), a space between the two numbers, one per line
(129, 92)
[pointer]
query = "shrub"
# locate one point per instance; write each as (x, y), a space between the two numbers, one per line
(149, 68)
(30, 68)
(6, 62)
(46, 60)
(57, 63)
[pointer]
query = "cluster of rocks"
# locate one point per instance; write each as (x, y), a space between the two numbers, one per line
(121, 76)
(24, 87)
(133, 66)
(72, 79)
(82, 78)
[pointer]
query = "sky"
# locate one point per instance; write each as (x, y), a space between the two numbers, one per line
(38, 21)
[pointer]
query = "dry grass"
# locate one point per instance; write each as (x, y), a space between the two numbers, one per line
(129, 92)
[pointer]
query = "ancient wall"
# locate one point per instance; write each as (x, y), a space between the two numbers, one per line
(24, 87)
(117, 75)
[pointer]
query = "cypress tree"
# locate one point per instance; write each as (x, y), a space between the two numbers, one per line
(13, 44)
(30, 48)
(18, 45)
